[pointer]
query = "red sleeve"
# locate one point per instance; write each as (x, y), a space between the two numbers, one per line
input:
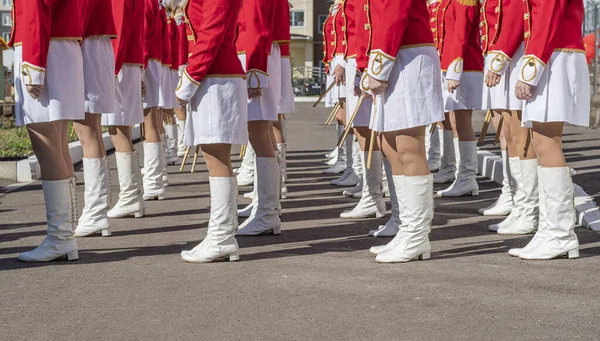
(510, 34)
(210, 31)
(466, 14)
(149, 27)
(544, 27)
(122, 26)
(258, 26)
(37, 23)
(183, 45)
(387, 34)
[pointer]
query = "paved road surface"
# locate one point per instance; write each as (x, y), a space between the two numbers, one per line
(316, 281)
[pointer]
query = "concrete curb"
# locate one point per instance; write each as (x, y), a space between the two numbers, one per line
(29, 169)
(588, 213)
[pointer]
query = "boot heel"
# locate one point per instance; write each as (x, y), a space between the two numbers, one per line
(106, 233)
(234, 257)
(138, 214)
(160, 197)
(475, 193)
(425, 256)
(573, 253)
(277, 230)
(73, 255)
(379, 215)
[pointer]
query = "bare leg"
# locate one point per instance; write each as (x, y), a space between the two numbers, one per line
(519, 136)
(390, 150)
(260, 137)
(48, 146)
(121, 138)
(65, 144)
(218, 159)
(507, 133)
(89, 132)
(272, 133)
(547, 142)
(151, 131)
(363, 135)
(446, 123)
(278, 130)
(180, 113)
(463, 125)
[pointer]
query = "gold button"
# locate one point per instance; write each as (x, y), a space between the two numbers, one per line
(497, 9)
(344, 42)
(434, 19)
(367, 26)
(526, 16)
(434, 29)
(483, 37)
(481, 10)
(483, 23)
(332, 43)
(344, 29)
(496, 26)
(366, 8)
(527, 34)
(332, 32)
(531, 63)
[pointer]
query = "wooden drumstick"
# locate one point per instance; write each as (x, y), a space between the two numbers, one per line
(499, 130)
(432, 129)
(333, 113)
(349, 124)
(486, 124)
(372, 142)
(528, 142)
(321, 96)
(195, 158)
(243, 151)
(185, 157)
(72, 131)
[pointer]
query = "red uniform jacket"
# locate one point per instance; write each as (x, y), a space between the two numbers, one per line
(458, 37)
(363, 37)
(174, 35)
(350, 29)
(550, 26)
(433, 9)
(97, 19)
(213, 24)
(152, 32)
(408, 27)
(254, 39)
(37, 22)
(328, 39)
(281, 23)
(502, 28)
(183, 44)
(166, 38)
(340, 27)
(129, 23)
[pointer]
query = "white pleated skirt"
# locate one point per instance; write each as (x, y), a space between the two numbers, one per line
(502, 96)
(562, 94)
(363, 116)
(152, 84)
(98, 75)
(286, 103)
(218, 113)
(166, 90)
(338, 91)
(468, 96)
(414, 95)
(63, 96)
(329, 103)
(264, 108)
(128, 105)
(174, 83)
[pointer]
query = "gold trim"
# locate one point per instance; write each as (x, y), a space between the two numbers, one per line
(469, 3)
(502, 58)
(567, 50)
(155, 59)
(67, 38)
(416, 45)
(134, 64)
(378, 58)
(282, 42)
(195, 82)
(241, 52)
(458, 67)
(190, 37)
(17, 44)
(25, 71)
(216, 75)
(111, 36)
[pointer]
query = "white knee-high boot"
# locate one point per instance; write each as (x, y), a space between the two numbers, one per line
(94, 217)
(264, 216)
(60, 199)
(220, 239)
(131, 200)
(180, 137)
(392, 226)
(371, 202)
(412, 241)
(333, 155)
(348, 178)
(153, 181)
(339, 165)
(504, 204)
(447, 170)
(281, 159)
(432, 144)
(466, 181)
(245, 176)
(172, 136)
(356, 191)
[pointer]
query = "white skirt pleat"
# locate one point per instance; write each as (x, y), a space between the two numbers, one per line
(502, 96)
(98, 75)
(166, 90)
(286, 103)
(468, 96)
(152, 84)
(363, 116)
(128, 105)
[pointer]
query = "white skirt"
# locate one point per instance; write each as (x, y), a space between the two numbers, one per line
(264, 108)
(502, 96)
(329, 103)
(363, 116)
(128, 105)
(468, 96)
(218, 113)
(414, 95)
(98, 75)
(63, 96)
(152, 84)
(286, 103)
(174, 83)
(166, 90)
(338, 91)
(563, 92)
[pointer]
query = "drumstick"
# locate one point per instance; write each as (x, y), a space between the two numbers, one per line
(486, 124)
(372, 142)
(195, 158)
(142, 131)
(243, 151)
(499, 130)
(72, 132)
(528, 142)
(185, 157)
(349, 124)
(321, 96)
(432, 129)
(333, 113)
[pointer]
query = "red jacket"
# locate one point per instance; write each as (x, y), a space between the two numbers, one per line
(328, 39)
(183, 44)
(34, 25)
(97, 19)
(254, 39)
(408, 27)
(339, 31)
(129, 23)
(550, 26)
(152, 32)
(281, 23)
(174, 35)
(285, 50)
(363, 37)
(458, 37)
(213, 24)
(350, 28)
(502, 28)
(166, 38)
(433, 9)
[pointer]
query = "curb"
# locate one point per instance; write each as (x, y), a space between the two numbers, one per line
(588, 213)
(29, 169)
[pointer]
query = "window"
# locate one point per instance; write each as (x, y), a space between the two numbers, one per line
(6, 20)
(322, 19)
(6, 36)
(297, 18)
(7, 3)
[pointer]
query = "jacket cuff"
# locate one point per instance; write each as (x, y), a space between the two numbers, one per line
(364, 83)
(380, 65)
(257, 79)
(532, 69)
(339, 60)
(497, 62)
(187, 87)
(455, 69)
(32, 75)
